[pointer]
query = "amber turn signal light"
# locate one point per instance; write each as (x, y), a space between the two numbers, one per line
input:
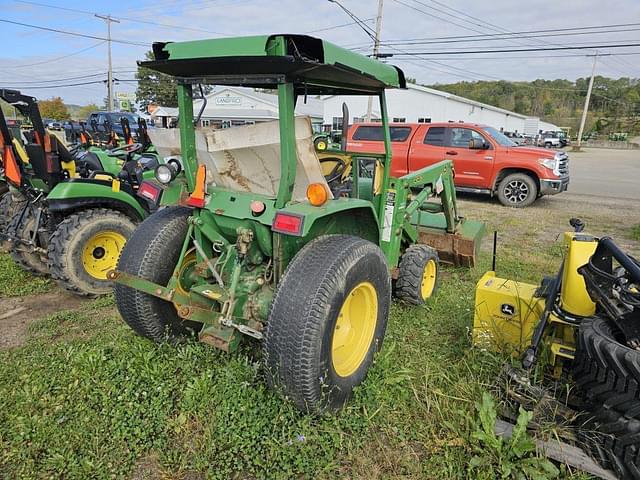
(317, 194)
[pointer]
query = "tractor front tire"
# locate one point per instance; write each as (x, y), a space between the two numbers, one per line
(10, 204)
(327, 321)
(85, 247)
(606, 371)
(152, 253)
(23, 226)
(418, 277)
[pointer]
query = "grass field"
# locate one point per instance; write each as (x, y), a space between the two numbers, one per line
(83, 397)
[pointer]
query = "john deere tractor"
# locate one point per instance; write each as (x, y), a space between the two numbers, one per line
(69, 213)
(265, 247)
(583, 323)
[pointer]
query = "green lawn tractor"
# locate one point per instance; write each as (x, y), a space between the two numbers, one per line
(70, 213)
(583, 323)
(264, 247)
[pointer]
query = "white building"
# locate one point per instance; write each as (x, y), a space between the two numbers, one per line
(423, 105)
(234, 106)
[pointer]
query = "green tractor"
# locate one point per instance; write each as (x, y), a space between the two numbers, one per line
(69, 213)
(265, 247)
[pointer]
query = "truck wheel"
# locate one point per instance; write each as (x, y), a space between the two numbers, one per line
(418, 274)
(152, 253)
(517, 190)
(85, 247)
(33, 259)
(612, 440)
(606, 371)
(548, 144)
(327, 321)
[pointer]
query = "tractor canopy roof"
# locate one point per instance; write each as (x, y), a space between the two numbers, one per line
(313, 65)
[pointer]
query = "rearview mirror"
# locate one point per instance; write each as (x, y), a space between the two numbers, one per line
(477, 144)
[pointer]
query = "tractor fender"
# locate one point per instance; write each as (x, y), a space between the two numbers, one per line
(342, 216)
(80, 194)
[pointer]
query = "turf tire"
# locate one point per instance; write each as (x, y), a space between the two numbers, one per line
(67, 243)
(303, 315)
(152, 253)
(415, 259)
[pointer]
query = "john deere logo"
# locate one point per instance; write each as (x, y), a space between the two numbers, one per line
(507, 309)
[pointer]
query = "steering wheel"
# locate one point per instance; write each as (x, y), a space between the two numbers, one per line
(338, 169)
(127, 149)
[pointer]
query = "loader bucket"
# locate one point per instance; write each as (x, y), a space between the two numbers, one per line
(460, 248)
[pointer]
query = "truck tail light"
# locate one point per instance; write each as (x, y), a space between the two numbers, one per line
(149, 191)
(288, 223)
(196, 199)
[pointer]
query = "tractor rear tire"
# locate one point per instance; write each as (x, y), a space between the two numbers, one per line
(152, 253)
(613, 440)
(85, 247)
(606, 371)
(327, 321)
(517, 190)
(418, 275)
(22, 226)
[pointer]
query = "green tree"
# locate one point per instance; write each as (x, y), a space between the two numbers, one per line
(54, 108)
(154, 87)
(85, 111)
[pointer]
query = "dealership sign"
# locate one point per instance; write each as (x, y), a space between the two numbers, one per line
(228, 100)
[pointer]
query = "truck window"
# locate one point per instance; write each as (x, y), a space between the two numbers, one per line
(374, 133)
(460, 137)
(435, 136)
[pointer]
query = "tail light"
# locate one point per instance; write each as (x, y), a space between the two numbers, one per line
(288, 223)
(196, 199)
(149, 191)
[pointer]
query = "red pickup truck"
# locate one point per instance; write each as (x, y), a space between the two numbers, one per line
(484, 160)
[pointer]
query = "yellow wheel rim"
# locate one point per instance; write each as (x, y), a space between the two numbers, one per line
(101, 253)
(428, 279)
(354, 329)
(321, 146)
(186, 268)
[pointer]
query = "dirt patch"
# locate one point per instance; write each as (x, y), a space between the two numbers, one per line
(147, 468)
(19, 312)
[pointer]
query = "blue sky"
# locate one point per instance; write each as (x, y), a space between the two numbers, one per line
(29, 57)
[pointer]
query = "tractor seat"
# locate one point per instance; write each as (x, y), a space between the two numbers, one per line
(148, 161)
(89, 162)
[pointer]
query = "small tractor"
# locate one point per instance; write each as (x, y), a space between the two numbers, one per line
(267, 245)
(584, 322)
(69, 213)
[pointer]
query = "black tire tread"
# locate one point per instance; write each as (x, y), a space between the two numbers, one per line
(605, 371)
(411, 270)
(58, 243)
(150, 254)
(297, 315)
(14, 229)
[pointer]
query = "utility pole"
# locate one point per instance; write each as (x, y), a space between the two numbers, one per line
(376, 48)
(109, 19)
(586, 102)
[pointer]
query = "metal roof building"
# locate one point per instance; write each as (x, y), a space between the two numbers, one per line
(424, 104)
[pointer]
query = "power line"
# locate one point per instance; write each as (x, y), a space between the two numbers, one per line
(539, 49)
(38, 87)
(127, 19)
(53, 59)
(436, 16)
(74, 34)
(366, 20)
